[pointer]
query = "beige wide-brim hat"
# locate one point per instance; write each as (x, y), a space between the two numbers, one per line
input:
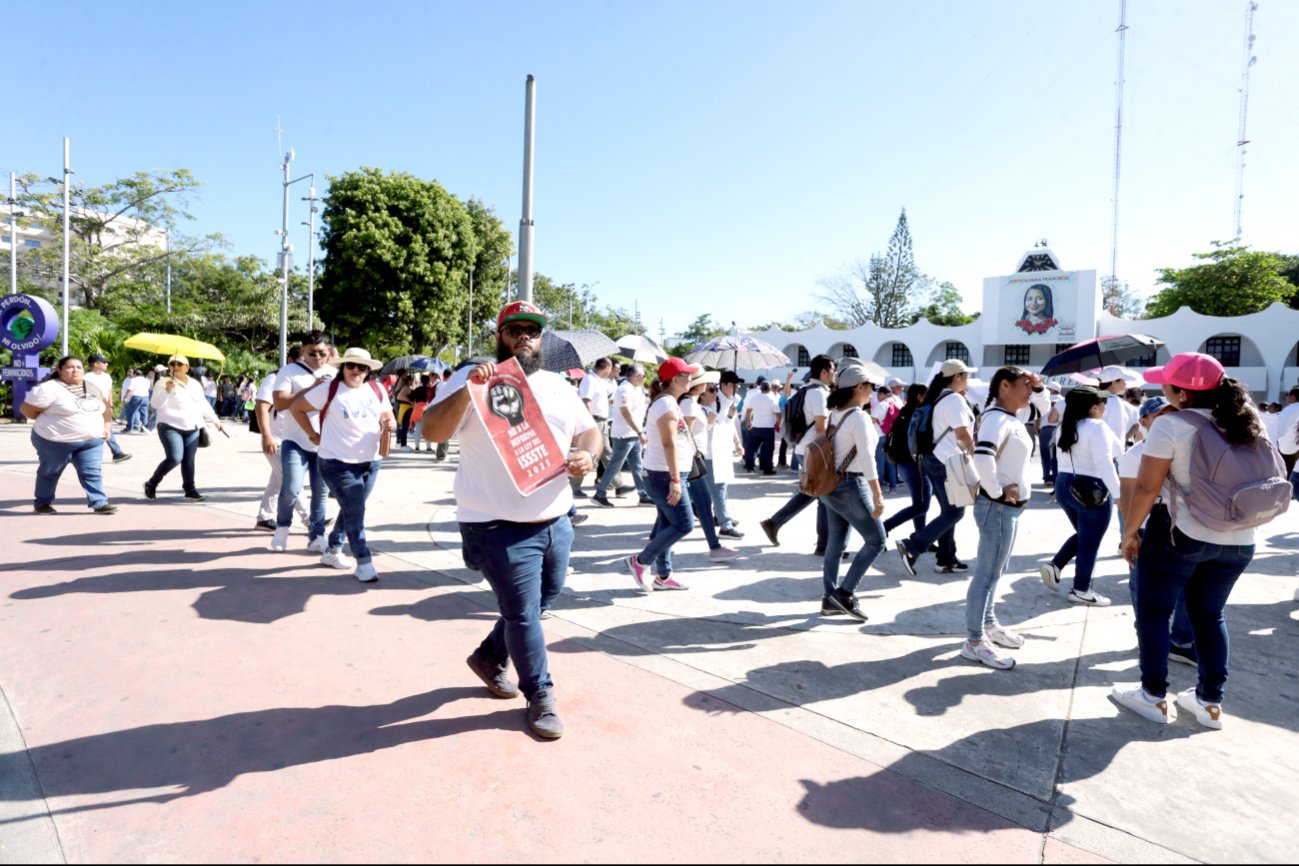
(355, 356)
(706, 377)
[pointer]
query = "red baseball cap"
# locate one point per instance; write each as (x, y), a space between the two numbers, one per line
(520, 311)
(1191, 371)
(674, 367)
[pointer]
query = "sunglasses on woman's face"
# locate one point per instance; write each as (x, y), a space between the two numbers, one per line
(712, 390)
(350, 366)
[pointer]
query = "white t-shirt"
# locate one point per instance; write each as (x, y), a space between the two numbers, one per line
(139, 386)
(698, 418)
(854, 427)
(1056, 403)
(813, 408)
(598, 390)
(184, 406)
(1129, 463)
(351, 429)
(483, 489)
(1287, 429)
(67, 417)
(883, 405)
(1093, 454)
(102, 381)
(1171, 437)
(266, 394)
(293, 379)
(1000, 431)
(629, 397)
(766, 408)
(209, 387)
(952, 411)
(655, 458)
(1120, 416)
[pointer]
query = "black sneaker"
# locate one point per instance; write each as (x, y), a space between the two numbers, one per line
(730, 533)
(1184, 654)
(820, 551)
(908, 561)
(948, 569)
(829, 607)
(106, 508)
(578, 494)
(195, 495)
(624, 490)
(645, 500)
(602, 500)
(543, 716)
(121, 458)
(268, 525)
(770, 529)
(45, 509)
(847, 603)
(150, 490)
(494, 676)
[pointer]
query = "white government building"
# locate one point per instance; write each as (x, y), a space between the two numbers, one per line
(1040, 309)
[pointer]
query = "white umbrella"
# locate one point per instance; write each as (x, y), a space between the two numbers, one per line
(641, 349)
(740, 352)
(564, 350)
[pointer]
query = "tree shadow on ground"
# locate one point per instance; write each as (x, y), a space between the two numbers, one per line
(195, 757)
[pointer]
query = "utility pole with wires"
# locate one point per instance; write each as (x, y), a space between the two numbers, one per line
(1118, 143)
(311, 257)
(1241, 140)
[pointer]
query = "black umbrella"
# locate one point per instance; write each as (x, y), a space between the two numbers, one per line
(405, 362)
(564, 350)
(1100, 352)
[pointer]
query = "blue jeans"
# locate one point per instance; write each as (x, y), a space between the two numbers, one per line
(86, 457)
(351, 484)
(943, 529)
(1046, 449)
(1174, 564)
(761, 444)
(526, 564)
(299, 463)
(919, 488)
(136, 412)
(113, 446)
(672, 524)
(179, 448)
(626, 451)
(849, 506)
(885, 469)
(717, 491)
(1180, 632)
(997, 524)
(1089, 528)
(797, 503)
(701, 501)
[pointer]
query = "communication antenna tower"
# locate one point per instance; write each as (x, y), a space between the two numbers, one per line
(1118, 141)
(1241, 140)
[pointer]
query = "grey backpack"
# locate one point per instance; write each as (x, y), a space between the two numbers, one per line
(1232, 486)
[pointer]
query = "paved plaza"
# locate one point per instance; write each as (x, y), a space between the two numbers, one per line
(174, 692)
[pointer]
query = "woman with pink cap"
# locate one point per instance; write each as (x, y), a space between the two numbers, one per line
(1185, 549)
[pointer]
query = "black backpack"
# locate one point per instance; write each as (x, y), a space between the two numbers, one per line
(793, 419)
(895, 442)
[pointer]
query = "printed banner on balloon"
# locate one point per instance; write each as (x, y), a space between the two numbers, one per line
(518, 429)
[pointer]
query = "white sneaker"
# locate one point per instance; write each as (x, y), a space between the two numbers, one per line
(280, 542)
(998, 635)
(1090, 597)
(1050, 576)
(1209, 715)
(1136, 699)
(366, 573)
(403, 448)
(723, 554)
(317, 544)
(337, 559)
(987, 654)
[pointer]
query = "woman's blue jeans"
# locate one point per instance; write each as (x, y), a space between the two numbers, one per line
(526, 564)
(717, 489)
(86, 457)
(1089, 529)
(299, 464)
(623, 451)
(351, 484)
(179, 448)
(1046, 449)
(1173, 564)
(921, 491)
(943, 528)
(849, 506)
(997, 524)
(673, 523)
(701, 502)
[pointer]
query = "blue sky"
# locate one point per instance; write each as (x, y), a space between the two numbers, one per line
(714, 157)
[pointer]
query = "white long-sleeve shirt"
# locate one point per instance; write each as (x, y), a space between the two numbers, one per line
(1093, 454)
(184, 407)
(1287, 429)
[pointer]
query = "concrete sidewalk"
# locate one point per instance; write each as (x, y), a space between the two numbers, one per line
(175, 692)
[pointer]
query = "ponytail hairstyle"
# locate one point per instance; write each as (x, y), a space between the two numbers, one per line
(915, 395)
(839, 397)
(937, 385)
(1009, 373)
(1078, 404)
(1230, 402)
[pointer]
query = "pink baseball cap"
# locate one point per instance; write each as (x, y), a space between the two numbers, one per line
(675, 367)
(1191, 371)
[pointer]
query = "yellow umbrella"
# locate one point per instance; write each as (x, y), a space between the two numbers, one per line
(170, 344)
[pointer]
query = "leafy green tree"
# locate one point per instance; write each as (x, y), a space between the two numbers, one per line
(702, 329)
(881, 289)
(117, 231)
(568, 306)
(944, 307)
(1119, 299)
(491, 271)
(1234, 281)
(397, 255)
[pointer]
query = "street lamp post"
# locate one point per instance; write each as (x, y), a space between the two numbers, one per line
(311, 257)
(67, 239)
(168, 253)
(286, 258)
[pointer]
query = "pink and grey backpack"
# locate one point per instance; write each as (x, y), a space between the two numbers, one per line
(1232, 486)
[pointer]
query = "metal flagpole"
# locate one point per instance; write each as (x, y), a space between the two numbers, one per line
(168, 271)
(311, 259)
(469, 325)
(525, 222)
(67, 240)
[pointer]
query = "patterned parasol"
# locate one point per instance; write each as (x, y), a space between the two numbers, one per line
(740, 352)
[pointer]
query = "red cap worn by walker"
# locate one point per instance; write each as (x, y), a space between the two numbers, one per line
(673, 367)
(1190, 371)
(521, 311)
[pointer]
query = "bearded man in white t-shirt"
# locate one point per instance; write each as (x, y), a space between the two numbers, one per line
(520, 543)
